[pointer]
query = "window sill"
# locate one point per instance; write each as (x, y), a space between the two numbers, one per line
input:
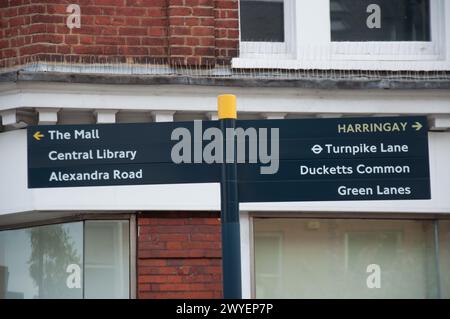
(341, 63)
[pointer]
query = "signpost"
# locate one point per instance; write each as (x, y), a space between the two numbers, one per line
(229, 203)
(278, 160)
(343, 159)
(255, 161)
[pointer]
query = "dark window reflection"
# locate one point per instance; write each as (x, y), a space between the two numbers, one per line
(389, 20)
(262, 20)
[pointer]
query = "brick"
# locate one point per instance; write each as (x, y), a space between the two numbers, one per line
(192, 41)
(154, 43)
(111, 50)
(71, 39)
(156, 12)
(146, 3)
(180, 11)
(90, 10)
(119, 21)
(13, 22)
(132, 31)
(110, 40)
(207, 22)
(56, 8)
(194, 21)
(203, 3)
(180, 30)
(132, 21)
(226, 4)
(233, 33)
(87, 40)
(159, 279)
(102, 20)
(124, 11)
(87, 49)
(156, 31)
(153, 22)
(63, 49)
(184, 51)
(202, 12)
(107, 31)
(204, 51)
(205, 237)
(152, 262)
(109, 11)
(162, 270)
(109, 2)
(202, 31)
(227, 24)
(152, 245)
(132, 40)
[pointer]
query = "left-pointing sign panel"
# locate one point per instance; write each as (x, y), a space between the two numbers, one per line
(111, 154)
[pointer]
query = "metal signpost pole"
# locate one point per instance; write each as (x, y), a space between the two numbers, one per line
(231, 243)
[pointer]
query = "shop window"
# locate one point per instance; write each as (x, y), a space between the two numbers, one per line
(107, 259)
(268, 271)
(335, 258)
(444, 258)
(72, 260)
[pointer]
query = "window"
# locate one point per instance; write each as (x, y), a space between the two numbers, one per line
(76, 260)
(380, 20)
(384, 30)
(268, 272)
(344, 34)
(107, 263)
(262, 20)
(349, 258)
(266, 27)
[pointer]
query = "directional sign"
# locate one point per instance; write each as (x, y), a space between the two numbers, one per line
(111, 154)
(343, 159)
(278, 160)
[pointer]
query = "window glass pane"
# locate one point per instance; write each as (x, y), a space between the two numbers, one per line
(326, 258)
(262, 20)
(42, 262)
(107, 259)
(444, 249)
(380, 20)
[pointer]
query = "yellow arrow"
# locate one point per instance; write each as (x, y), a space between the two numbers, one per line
(38, 135)
(417, 126)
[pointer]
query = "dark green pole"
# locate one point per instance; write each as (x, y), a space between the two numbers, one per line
(231, 238)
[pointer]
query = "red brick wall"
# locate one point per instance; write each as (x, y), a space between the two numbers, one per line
(179, 255)
(182, 32)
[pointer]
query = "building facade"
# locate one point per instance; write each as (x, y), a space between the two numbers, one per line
(143, 61)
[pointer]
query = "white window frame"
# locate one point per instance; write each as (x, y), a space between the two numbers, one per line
(395, 50)
(309, 46)
(283, 50)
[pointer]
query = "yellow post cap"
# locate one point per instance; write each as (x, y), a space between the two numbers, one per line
(226, 105)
